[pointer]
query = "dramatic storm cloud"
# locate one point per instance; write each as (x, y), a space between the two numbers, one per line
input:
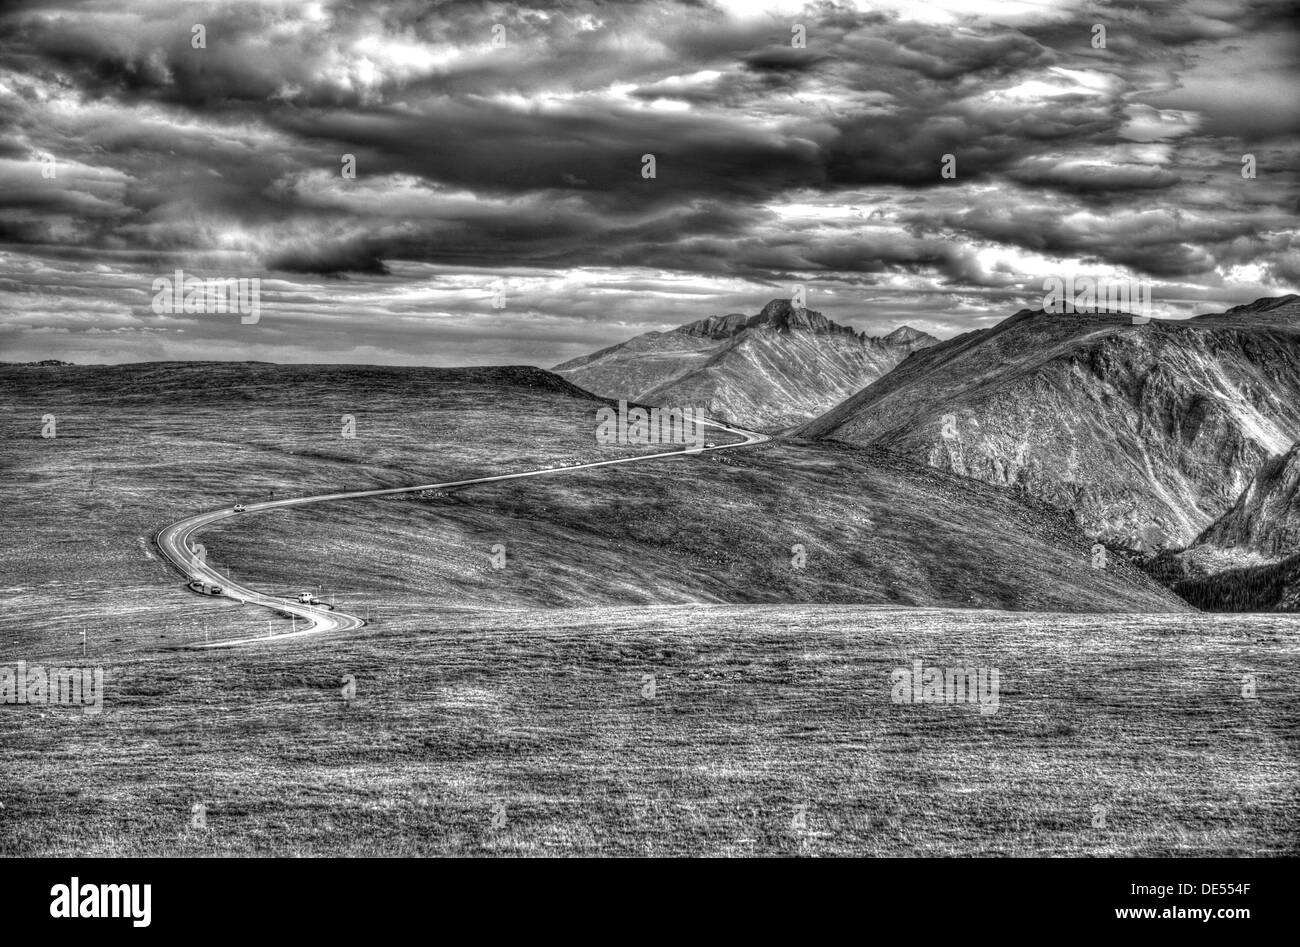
(499, 157)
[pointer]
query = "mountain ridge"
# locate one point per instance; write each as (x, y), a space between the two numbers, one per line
(1148, 432)
(776, 368)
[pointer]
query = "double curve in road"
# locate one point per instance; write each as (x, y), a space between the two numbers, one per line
(177, 540)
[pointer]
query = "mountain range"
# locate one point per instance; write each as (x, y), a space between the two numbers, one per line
(1173, 442)
(772, 370)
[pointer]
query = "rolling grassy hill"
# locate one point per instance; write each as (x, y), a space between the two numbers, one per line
(140, 446)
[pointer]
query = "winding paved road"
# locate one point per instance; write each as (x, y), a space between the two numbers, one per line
(177, 540)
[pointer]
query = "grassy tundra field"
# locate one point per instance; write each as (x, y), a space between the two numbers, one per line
(537, 732)
(649, 673)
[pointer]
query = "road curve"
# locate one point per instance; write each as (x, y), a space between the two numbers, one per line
(177, 540)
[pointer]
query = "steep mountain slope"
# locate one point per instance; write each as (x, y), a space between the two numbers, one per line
(1266, 517)
(1249, 558)
(771, 370)
(1148, 432)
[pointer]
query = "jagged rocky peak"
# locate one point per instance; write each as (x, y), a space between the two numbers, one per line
(782, 315)
(779, 314)
(780, 366)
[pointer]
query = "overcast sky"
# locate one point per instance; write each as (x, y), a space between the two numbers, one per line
(475, 163)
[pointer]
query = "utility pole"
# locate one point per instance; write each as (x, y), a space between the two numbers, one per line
(83, 641)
